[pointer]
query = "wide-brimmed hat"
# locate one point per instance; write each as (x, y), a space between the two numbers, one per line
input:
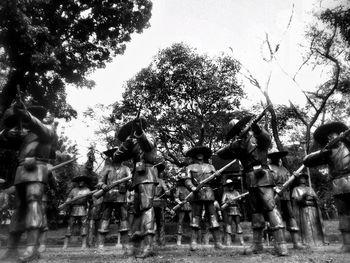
(194, 151)
(322, 132)
(37, 111)
(234, 127)
(277, 155)
(10, 120)
(127, 128)
(228, 182)
(81, 177)
(109, 153)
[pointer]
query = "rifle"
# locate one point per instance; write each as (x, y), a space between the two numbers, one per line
(62, 164)
(62, 206)
(253, 121)
(224, 205)
(328, 146)
(101, 192)
(202, 183)
(289, 181)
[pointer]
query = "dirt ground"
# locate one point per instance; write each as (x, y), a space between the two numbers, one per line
(174, 254)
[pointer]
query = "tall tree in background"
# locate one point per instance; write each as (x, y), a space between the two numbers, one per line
(186, 97)
(46, 44)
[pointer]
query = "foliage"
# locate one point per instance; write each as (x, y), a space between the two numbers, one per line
(186, 97)
(339, 17)
(105, 131)
(47, 44)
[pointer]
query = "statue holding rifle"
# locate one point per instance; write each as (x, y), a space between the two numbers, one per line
(334, 137)
(25, 131)
(285, 204)
(78, 210)
(113, 199)
(196, 172)
(140, 146)
(250, 143)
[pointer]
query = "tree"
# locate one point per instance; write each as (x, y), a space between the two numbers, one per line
(186, 97)
(47, 44)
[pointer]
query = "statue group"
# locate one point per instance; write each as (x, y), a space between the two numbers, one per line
(135, 195)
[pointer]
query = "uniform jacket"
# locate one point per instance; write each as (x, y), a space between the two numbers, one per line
(196, 173)
(338, 160)
(34, 143)
(109, 175)
(281, 176)
(79, 207)
(252, 152)
(143, 151)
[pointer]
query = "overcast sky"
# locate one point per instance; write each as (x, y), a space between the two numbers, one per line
(213, 27)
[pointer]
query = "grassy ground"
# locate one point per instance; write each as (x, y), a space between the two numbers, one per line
(173, 254)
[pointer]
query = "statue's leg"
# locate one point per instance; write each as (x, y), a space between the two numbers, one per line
(34, 220)
(69, 231)
(104, 224)
(124, 228)
(83, 231)
(342, 202)
(44, 229)
(239, 230)
(291, 224)
(17, 225)
(258, 222)
(195, 224)
(147, 230)
(180, 215)
(214, 224)
(275, 219)
(228, 238)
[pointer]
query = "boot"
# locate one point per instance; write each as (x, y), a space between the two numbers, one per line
(65, 243)
(31, 252)
(241, 240)
(178, 241)
(228, 239)
(217, 239)
(42, 241)
(147, 247)
(83, 242)
(194, 235)
(346, 242)
(296, 240)
(280, 242)
(100, 241)
(12, 244)
(256, 246)
(124, 240)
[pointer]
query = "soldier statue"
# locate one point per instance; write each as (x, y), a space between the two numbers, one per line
(251, 147)
(180, 193)
(285, 204)
(114, 199)
(232, 212)
(159, 204)
(78, 210)
(26, 132)
(338, 160)
(204, 198)
(141, 148)
(307, 212)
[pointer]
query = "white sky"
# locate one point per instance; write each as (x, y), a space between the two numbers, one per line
(211, 26)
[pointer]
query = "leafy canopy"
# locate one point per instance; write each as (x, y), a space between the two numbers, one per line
(46, 44)
(187, 97)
